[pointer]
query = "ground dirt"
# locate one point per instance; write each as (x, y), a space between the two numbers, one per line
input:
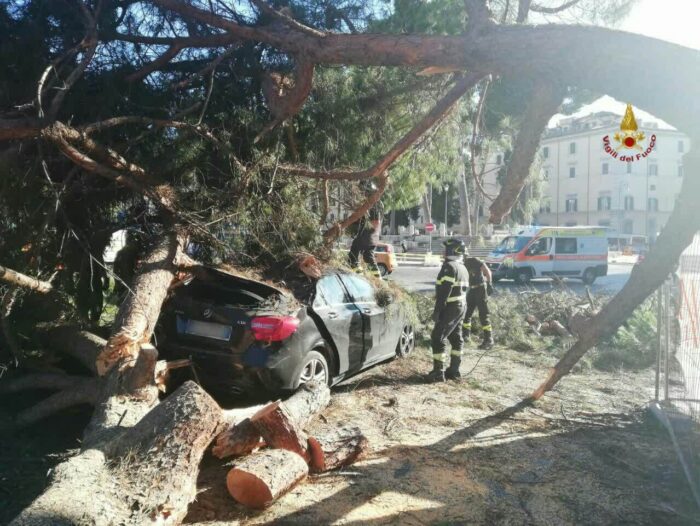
(446, 454)
(469, 453)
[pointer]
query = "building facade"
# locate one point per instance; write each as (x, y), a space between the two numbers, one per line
(584, 185)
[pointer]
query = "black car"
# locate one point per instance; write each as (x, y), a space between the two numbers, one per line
(240, 333)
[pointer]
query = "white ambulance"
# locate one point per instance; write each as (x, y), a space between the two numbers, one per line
(537, 252)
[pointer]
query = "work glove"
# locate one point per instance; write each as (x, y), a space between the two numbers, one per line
(489, 289)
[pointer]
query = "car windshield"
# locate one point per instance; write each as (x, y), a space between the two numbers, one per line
(512, 244)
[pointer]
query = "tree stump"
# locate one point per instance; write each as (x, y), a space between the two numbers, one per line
(336, 450)
(261, 478)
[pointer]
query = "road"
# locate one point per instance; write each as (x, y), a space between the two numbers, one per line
(422, 279)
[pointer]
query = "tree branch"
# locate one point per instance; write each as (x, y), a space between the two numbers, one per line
(553, 10)
(21, 280)
(149, 68)
(544, 102)
(436, 114)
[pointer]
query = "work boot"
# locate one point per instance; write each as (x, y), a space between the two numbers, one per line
(437, 374)
(452, 372)
(488, 341)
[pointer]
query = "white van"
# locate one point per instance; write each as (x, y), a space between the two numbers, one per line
(536, 252)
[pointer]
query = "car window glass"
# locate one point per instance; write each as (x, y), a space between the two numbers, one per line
(539, 247)
(360, 289)
(565, 245)
(330, 291)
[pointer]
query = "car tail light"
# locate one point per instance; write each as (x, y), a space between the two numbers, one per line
(273, 328)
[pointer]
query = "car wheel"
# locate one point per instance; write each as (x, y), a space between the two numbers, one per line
(407, 341)
(589, 276)
(382, 269)
(523, 277)
(314, 367)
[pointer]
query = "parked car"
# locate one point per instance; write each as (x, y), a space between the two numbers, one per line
(241, 333)
(386, 258)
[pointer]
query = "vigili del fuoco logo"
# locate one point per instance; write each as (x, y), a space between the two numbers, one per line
(629, 141)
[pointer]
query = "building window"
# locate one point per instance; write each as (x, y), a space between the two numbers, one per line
(572, 172)
(653, 204)
(545, 152)
(681, 147)
(572, 148)
(499, 159)
(604, 203)
(546, 207)
(571, 223)
(629, 168)
(605, 168)
(653, 169)
(680, 170)
(629, 202)
(572, 205)
(604, 222)
(628, 227)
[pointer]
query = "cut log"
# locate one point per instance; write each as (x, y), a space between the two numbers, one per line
(258, 480)
(278, 430)
(559, 329)
(333, 451)
(239, 440)
(301, 408)
(145, 475)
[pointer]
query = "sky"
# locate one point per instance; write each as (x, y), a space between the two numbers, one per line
(671, 20)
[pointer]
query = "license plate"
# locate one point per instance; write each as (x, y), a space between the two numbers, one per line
(207, 329)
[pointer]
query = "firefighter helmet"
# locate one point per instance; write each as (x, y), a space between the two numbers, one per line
(454, 247)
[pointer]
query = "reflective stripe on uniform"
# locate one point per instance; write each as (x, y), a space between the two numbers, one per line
(456, 353)
(453, 299)
(445, 279)
(486, 327)
(466, 326)
(438, 357)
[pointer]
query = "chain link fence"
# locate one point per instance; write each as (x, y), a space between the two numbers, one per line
(677, 403)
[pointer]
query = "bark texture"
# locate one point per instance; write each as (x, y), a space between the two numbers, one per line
(337, 449)
(22, 280)
(146, 475)
(261, 478)
(139, 312)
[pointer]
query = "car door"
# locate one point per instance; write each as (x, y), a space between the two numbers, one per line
(378, 344)
(539, 256)
(342, 320)
(566, 258)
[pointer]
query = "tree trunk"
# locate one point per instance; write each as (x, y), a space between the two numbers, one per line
(464, 206)
(144, 475)
(301, 407)
(277, 429)
(336, 450)
(258, 480)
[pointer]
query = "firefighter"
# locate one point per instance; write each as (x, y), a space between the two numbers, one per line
(367, 237)
(480, 288)
(450, 307)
